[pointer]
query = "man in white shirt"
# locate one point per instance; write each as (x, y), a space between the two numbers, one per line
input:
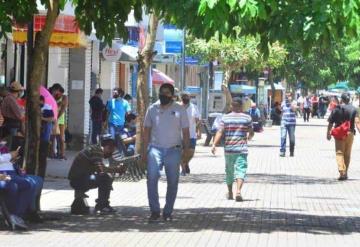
(194, 128)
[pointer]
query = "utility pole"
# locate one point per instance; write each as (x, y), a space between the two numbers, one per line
(182, 76)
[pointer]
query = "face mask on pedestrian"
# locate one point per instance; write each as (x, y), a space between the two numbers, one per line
(115, 95)
(164, 100)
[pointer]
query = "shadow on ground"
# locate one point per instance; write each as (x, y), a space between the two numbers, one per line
(236, 219)
(257, 178)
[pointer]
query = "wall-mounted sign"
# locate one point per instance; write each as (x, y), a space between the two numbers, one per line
(173, 38)
(113, 53)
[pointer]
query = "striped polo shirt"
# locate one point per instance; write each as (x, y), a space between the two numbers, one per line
(235, 127)
(288, 114)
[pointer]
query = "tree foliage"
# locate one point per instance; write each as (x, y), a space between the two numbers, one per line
(319, 68)
(303, 22)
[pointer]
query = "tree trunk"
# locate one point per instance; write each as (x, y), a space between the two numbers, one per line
(271, 80)
(37, 68)
(226, 90)
(145, 58)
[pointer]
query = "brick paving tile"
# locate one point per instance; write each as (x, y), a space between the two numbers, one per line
(288, 202)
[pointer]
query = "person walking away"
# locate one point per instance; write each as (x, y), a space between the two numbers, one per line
(300, 106)
(117, 108)
(288, 123)
(47, 119)
(255, 115)
(323, 101)
(236, 126)
(194, 128)
(97, 108)
(343, 112)
(315, 106)
(12, 113)
(166, 128)
(307, 109)
(276, 114)
(333, 103)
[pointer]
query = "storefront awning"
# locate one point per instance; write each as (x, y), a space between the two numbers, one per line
(66, 33)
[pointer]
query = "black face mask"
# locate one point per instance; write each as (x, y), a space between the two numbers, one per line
(186, 101)
(116, 96)
(41, 105)
(164, 100)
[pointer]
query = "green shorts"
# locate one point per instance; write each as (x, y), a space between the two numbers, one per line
(235, 167)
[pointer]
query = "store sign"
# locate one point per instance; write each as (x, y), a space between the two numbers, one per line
(173, 38)
(113, 53)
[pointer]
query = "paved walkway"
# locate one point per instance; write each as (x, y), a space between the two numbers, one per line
(289, 202)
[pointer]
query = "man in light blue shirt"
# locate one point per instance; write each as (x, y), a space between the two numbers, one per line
(117, 108)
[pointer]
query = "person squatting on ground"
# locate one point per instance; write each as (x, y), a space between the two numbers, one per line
(194, 128)
(342, 113)
(166, 128)
(288, 124)
(237, 129)
(88, 172)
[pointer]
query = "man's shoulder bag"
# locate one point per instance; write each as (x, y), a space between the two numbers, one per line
(342, 131)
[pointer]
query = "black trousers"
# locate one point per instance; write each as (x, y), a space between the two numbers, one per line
(306, 114)
(101, 181)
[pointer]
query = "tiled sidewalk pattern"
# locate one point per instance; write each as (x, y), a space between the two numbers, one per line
(288, 202)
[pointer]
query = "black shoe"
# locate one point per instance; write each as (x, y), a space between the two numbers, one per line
(187, 169)
(167, 217)
(291, 154)
(154, 217)
(34, 217)
(105, 210)
(342, 177)
(238, 198)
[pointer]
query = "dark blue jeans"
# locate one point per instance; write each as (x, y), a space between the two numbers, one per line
(287, 130)
(96, 131)
(26, 189)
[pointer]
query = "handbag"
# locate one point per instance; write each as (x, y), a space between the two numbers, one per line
(342, 131)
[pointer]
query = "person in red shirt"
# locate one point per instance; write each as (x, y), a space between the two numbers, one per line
(315, 105)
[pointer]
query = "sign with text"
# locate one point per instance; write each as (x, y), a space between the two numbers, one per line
(112, 54)
(173, 39)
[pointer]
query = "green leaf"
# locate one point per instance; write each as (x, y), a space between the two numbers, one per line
(242, 3)
(232, 4)
(211, 3)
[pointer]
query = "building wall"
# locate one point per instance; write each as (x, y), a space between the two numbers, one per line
(58, 68)
(79, 95)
